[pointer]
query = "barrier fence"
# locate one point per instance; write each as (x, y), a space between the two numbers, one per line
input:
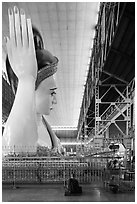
(31, 167)
(49, 170)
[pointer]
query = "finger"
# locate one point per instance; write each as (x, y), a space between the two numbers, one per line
(24, 28)
(17, 26)
(9, 48)
(11, 27)
(30, 34)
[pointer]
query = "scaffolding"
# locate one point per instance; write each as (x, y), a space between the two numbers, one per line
(115, 111)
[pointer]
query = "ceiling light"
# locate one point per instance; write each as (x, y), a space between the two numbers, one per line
(71, 143)
(89, 60)
(90, 52)
(63, 128)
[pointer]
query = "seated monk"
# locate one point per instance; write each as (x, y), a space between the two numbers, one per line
(73, 187)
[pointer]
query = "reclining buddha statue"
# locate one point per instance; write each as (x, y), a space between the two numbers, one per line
(31, 72)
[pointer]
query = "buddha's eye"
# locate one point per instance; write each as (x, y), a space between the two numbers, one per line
(53, 93)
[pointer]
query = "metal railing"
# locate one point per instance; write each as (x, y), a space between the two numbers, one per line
(40, 170)
(17, 169)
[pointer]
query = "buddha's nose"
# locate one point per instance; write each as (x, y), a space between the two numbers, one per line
(54, 101)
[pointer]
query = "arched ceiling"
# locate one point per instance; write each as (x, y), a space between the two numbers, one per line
(68, 31)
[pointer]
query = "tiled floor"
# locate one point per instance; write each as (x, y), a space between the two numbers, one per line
(55, 193)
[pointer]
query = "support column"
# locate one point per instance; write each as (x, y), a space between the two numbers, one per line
(96, 110)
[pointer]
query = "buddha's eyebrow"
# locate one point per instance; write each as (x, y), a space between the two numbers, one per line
(53, 89)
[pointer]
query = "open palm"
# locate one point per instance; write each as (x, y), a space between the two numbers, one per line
(20, 45)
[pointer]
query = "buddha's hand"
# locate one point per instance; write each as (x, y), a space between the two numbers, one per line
(20, 44)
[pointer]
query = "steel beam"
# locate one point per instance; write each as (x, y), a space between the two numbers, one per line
(114, 76)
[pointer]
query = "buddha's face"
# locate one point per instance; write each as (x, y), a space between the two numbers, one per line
(46, 96)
